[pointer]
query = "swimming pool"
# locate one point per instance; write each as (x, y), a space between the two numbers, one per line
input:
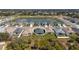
(39, 31)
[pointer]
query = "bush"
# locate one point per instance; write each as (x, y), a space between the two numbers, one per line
(4, 37)
(44, 42)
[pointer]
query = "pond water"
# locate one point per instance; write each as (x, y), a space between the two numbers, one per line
(39, 21)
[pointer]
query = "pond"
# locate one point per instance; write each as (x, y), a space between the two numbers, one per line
(39, 21)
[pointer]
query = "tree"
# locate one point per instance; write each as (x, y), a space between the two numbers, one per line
(18, 44)
(44, 42)
(58, 46)
(4, 37)
(73, 37)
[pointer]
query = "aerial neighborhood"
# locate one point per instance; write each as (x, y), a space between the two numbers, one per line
(39, 29)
